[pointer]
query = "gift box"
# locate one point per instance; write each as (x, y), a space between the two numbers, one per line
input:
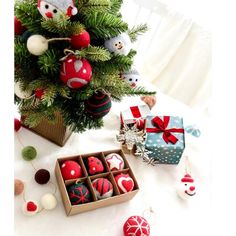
(165, 138)
(87, 179)
(135, 115)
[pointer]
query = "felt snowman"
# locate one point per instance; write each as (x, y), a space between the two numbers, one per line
(52, 9)
(119, 45)
(186, 187)
(132, 77)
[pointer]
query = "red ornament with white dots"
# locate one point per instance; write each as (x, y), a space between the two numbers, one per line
(81, 40)
(71, 170)
(136, 226)
(75, 73)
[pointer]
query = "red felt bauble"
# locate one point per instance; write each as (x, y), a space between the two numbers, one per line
(136, 226)
(39, 93)
(75, 73)
(81, 40)
(17, 124)
(124, 182)
(71, 170)
(18, 27)
(95, 166)
(103, 188)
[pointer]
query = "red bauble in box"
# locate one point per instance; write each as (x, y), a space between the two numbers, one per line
(124, 182)
(81, 40)
(71, 170)
(75, 73)
(136, 226)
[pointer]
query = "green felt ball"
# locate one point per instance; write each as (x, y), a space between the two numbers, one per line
(29, 153)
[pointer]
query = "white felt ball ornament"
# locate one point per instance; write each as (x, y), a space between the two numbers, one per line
(186, 187)
(48, 201)
(52, 9)
(30, 208)
(119, 45)
(132, 77)
(37, 44)
(20, 93)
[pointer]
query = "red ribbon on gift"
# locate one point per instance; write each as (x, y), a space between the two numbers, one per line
(135, 112)
(137, 115)
(160, 126)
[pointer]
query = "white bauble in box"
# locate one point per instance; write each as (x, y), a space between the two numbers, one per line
(20, 93)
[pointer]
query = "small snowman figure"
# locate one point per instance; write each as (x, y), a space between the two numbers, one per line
(52, 9)
(186, 188)
(132, 77)
(119, 45)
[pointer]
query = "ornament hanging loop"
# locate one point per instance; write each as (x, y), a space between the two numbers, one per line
(67, 53)
(187, 165)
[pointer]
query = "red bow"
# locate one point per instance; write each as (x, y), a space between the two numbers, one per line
(160, 126)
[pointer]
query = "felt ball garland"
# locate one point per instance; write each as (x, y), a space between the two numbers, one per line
(17, 124)
(42, 176)
(81, 40)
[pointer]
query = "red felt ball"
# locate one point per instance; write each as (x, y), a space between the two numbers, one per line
(95, 166)
(103, 188)
(136, 226)
(17, 124)
(71, 170)
(39, 93)
(75, 73)
(18, 27)
(124, 182)
(81, 40)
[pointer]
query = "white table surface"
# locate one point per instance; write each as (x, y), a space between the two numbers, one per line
(157, 183)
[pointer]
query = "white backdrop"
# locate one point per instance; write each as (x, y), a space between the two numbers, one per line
(175, 54)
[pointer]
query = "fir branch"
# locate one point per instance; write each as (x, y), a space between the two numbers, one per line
(62, 26)
(89, 6)
(104, 25)
(115, 6)
(136, 31)
(26, 11)
(22, 54)
(49, 62)
(93, 53)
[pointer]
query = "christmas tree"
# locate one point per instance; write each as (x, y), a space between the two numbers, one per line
(73, 57)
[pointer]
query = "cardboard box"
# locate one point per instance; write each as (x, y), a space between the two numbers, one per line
(87, 179)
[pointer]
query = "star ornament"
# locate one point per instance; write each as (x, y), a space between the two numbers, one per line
(115, 162)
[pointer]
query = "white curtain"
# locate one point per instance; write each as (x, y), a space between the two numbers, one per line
(175, 55)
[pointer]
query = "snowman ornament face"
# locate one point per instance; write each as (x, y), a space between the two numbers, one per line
(52, 9)
(132, 77)
(119, 45)
(186, 187)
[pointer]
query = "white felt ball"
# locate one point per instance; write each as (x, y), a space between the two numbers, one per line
(37, 44)
(30, 208)
(119, 45)
(19, 93)
(48, 201)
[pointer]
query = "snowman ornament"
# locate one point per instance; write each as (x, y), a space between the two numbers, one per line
(186, 187)
(132, 77)
(119, 45)
(52, 9)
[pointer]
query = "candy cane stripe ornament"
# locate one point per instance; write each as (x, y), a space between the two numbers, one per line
(75, 73)
(52, 9)
(136, 226)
